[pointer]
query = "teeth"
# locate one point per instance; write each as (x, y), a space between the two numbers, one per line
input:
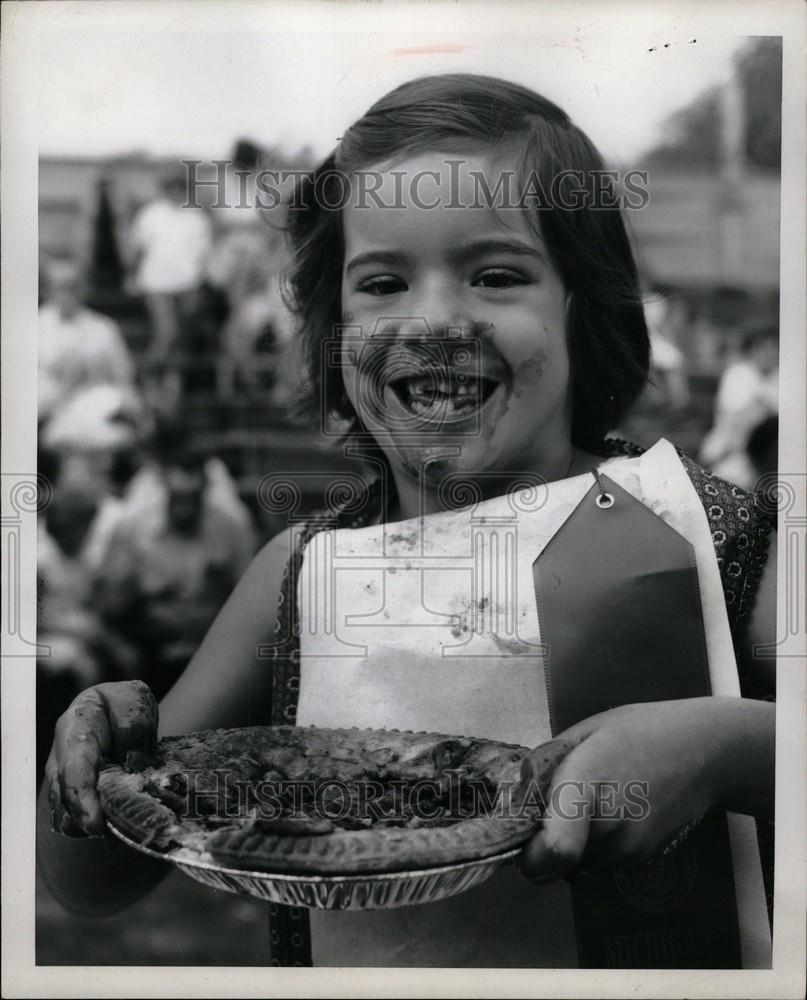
(419, 386)
(427, 389)
(439, 408)
(444, 397)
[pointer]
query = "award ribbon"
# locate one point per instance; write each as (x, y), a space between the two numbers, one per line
(620, 616)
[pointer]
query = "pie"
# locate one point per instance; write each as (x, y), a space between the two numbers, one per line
(288, 799)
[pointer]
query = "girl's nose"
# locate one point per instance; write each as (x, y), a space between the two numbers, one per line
(438, 314)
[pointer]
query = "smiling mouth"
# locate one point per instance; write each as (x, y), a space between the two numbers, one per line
(448, 396)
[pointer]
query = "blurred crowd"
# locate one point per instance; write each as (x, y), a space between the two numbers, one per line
(146, 533)
(738, 439)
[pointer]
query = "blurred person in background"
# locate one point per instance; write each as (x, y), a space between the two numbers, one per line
(748, 392)
(763, 449)
(78, 347)
(669, 385)
(162, 390)
(80, 650)
(144, 497)
(256, 339)
(168, 249)
(97, 433)
(169, 568)
(756, 467)
(66, 621)
(237, 259)
(246, 260)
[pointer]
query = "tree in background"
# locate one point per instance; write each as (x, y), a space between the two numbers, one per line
(761, 74)
(106, 267)
(695, 129)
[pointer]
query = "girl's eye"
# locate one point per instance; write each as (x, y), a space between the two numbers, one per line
(382, 284)
(499, 277)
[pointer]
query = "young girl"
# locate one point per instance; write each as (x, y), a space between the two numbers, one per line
(468, 212)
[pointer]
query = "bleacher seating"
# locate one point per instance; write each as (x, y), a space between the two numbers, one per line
(251, 435)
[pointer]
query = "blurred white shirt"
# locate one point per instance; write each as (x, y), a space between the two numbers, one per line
(77, 352)
(173, 243)
(745, 397)
(145, 502)
(742, 386)
(97, 418)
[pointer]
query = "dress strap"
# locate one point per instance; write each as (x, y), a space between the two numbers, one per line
(741, 531)
(289, 926)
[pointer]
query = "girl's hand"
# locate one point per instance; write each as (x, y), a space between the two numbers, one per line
(101, 725)
(636, 775)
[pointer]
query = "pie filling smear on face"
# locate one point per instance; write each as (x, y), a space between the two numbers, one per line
(289, 799)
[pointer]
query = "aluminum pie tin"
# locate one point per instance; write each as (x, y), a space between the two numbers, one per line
(386, 890)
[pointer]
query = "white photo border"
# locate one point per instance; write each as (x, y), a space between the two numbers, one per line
(22, 25)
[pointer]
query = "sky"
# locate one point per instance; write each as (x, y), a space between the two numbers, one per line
(170, 79)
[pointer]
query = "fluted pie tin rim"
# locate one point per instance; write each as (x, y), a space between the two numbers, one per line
(385, 890)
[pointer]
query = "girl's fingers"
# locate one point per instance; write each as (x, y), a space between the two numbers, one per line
(133, 715)
(77, 780)
(60, 820)
(69, 827)
(82, 740)
(103, 722)
(560, 844)
(538, 768)
(54, 796)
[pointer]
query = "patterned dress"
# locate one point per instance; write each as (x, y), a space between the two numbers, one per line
(740, 523)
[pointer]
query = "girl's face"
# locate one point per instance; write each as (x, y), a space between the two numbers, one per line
(454, 348)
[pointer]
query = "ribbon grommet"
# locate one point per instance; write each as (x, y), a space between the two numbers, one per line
(605, 499)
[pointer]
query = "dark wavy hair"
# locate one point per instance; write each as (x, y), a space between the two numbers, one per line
(607, 337)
